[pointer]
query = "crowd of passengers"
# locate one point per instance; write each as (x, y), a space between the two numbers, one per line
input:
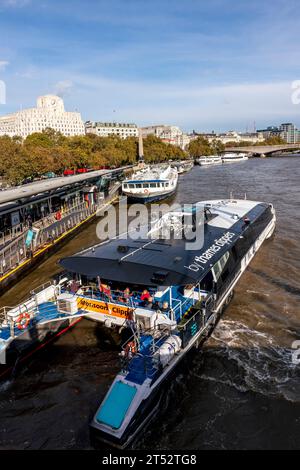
(134, 298)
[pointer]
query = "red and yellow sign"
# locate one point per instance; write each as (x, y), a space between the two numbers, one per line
(104, 308)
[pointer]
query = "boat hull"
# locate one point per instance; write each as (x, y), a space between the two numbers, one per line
(234, 160)
(210, 163)
(150, 407)
(32, 340)
(143, 199)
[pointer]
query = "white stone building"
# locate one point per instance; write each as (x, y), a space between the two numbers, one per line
(50, 112)
(233, 136)
(170, 134)
(104, 129)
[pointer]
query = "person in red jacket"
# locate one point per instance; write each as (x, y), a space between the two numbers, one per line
(145, 295)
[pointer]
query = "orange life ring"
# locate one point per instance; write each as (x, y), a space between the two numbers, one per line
(146, 191)
(131, 347)
(23, 321)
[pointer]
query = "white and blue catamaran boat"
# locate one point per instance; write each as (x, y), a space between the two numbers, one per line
(188, 291)
(151, 184)
(168, 296)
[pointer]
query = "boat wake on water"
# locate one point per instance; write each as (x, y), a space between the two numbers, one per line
(257, 292)
(254, 362)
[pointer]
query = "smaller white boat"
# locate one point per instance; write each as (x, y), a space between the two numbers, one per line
(151, 184)
(234, 157)
(209, 160)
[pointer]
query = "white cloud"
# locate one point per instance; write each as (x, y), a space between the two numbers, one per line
(187, 103)
(63, 88)
(3, 64)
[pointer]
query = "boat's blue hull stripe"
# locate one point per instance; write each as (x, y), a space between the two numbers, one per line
(158, 197)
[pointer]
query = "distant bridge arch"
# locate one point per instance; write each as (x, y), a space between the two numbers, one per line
(263, 149)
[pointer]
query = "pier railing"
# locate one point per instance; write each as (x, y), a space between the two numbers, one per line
(10, 234)
(13, 254)
(48, 230)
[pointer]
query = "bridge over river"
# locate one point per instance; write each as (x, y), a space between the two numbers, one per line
(264, 150)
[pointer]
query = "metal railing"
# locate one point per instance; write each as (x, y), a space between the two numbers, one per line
(9, 315)
(7, 321)
(41, 287)
(51, 218)
(191, 327)
(114, 296)
(151, 362)
(3, 315)
(134, 299)
(190, 301)
(164, 333)
(13, 254)
(47, 230)
(16, 251)
(10, 234)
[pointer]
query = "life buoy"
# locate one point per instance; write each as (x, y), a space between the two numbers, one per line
(130, 348)
(23, 321)
(146, 191)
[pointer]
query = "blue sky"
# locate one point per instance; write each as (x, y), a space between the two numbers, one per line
(217, 64)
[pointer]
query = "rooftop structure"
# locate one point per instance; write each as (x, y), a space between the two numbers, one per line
(104, 129)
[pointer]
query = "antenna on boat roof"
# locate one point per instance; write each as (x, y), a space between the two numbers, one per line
(231, 195)
(245, 196)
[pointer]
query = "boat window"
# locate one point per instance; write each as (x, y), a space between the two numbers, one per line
(234, 252)
(206, 283)
(219, 266)
(167, 185)
(145, 185)
(138, 185)
(125, 185)
(131, 186)
(152, 185)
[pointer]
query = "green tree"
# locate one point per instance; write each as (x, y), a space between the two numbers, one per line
(49, 150)
(9, 147)
(217, 147)
(38, 139)
(199, 146)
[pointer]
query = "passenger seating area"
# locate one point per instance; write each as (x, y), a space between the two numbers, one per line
(180, 300)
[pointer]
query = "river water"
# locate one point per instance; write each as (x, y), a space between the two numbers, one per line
(241, 391)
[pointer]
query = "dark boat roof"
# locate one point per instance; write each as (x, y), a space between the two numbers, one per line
(154, 262)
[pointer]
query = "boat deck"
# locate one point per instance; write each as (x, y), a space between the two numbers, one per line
(142, 367)
(45, 312)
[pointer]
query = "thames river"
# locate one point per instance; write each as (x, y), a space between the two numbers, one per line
(241, 391)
